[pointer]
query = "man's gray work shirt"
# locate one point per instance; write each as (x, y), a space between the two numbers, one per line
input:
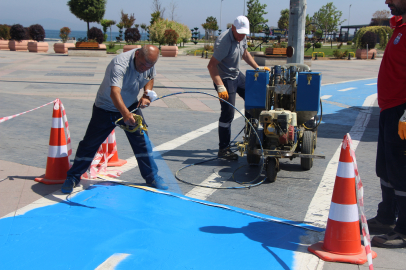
(121, 73)
(229, 53)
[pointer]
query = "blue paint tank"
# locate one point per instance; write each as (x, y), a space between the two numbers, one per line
(308, 92)
(255, 89)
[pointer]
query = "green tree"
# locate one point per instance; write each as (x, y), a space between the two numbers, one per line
(144, 28)
(255, 11)
(283, 22)
(329, 18)
(155, 17)
(210, 25)
(106, 24)
(310, 26)
(120, 27)
(126, 20)
(88, 10)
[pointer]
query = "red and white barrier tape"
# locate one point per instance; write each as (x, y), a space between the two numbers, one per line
(4, 119)
(360, 198)
(95, 169)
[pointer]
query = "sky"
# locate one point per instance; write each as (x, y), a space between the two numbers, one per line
(55, 14)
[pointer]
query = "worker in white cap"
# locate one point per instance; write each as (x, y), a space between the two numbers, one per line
(224, 68)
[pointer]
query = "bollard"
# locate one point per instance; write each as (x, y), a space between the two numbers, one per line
(315, 58)
(373, 56)
(349, 56)
(202, 54)
(206, 54)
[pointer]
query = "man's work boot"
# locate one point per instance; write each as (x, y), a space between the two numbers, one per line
(390, 240)
(158, 183)
(226, 153)
(70, 183)
(376, 227)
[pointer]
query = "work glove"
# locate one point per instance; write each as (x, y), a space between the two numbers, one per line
(402, 126)
(222, 92)
(264, 68)
(151, 95)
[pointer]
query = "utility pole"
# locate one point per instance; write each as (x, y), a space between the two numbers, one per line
(296, 35)
(243, 10)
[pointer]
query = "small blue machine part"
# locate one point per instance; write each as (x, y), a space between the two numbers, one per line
(308, 91)
(255, 89)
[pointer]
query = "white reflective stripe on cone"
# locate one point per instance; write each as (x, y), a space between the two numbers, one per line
(343, 212)
(345, 170)
(57, 151)
(111, 138)
(57, 123)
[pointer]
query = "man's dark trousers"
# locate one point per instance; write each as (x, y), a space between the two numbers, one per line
(233, 87)
(100, 126)
(391, 168)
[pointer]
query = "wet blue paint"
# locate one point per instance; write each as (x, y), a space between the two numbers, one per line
(159, 231)
(333, 114)
(160, 167)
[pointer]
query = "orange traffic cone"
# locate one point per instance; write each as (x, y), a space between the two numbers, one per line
(58, 162)
(342, 241)
(111, 147)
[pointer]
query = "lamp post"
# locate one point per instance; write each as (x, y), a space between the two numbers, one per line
(349, 12)
(243, 9)
(221, 4)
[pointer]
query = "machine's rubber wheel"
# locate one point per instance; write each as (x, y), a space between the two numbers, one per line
(315, 139)
(307, 148)
(252, 159)
(271, 170)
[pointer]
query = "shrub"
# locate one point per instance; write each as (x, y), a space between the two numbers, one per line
(4, 31)
(132, 35)
(208, 47)
(64, 33)
(96, 34)
(17, 32)
(369, 38)
(308, 45)
(111, 45)
(170, 37)
(37, 32)
(317, 45)
(105, 37)
(339, 54)
(349, 42)
(384, 33)
(157, 30)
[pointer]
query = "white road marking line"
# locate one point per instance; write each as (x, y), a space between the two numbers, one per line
(326, 96)
(112, 261)
(175, 143)
(372, 84)
(213, 180)
(318, 211)
(346, 89)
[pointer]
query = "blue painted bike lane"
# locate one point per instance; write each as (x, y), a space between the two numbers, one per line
(343, 101)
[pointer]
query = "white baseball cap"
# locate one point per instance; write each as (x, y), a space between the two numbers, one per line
(242, 25)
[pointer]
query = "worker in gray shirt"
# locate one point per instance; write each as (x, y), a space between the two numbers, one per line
(126, 74)
(224, 68)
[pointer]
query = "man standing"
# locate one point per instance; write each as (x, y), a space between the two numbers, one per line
(224, 68)
(126, 74)
(391, 153)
